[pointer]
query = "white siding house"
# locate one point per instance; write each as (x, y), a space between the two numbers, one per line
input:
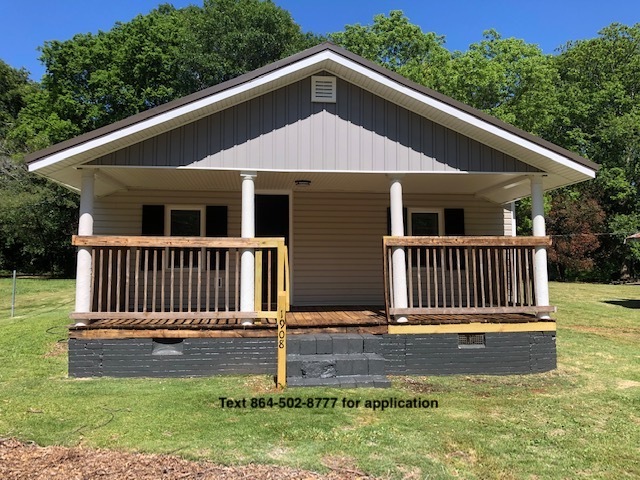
(332, 159)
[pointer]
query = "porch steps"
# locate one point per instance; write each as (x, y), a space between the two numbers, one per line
(336, 360)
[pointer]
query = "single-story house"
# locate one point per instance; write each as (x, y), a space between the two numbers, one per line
(322, 205)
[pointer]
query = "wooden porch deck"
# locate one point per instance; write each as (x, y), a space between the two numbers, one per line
(326, 319)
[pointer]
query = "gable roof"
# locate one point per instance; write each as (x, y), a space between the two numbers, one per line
(567, 166)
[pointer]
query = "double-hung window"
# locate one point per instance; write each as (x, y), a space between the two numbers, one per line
(185, 221)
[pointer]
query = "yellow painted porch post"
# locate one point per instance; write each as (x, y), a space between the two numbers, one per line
(282, 318)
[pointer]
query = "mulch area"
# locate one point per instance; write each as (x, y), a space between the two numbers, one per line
(28, 461)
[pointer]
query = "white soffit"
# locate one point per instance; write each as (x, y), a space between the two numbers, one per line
(113, 179)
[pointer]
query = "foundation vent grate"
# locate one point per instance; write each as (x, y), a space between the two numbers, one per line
(471, 340)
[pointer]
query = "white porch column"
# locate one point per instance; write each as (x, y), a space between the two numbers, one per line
(247, 260)
(514, 224)
(539, 230)
(398, 253)
(85, 227)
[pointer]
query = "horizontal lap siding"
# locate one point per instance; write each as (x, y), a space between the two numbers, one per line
(508, 222)
(338, 242)
(121, 213)
(480, 217)
(337, 248)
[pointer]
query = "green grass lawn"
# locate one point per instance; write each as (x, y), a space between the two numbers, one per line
(580, 421)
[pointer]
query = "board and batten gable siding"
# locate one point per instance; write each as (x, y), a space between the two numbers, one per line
(337, 237)
(284, 130)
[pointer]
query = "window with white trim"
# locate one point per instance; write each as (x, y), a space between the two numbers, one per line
(184, 221)
(426, 223)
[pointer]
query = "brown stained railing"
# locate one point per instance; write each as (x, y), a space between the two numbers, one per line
(182, 277)
(465, 275)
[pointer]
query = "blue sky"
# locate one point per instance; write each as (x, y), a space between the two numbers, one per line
(27, 24)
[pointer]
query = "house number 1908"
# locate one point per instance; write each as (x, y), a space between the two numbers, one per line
(281, 333)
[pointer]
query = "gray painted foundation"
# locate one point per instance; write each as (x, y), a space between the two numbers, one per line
(191, 357)
(502, 354)
(436, 354)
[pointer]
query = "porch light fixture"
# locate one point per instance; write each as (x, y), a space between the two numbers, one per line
(302, 183)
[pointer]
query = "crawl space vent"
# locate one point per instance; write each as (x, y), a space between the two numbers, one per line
(167, 346)
(471, 340)
(323, 89)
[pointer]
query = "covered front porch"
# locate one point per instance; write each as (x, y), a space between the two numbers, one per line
(190, 287)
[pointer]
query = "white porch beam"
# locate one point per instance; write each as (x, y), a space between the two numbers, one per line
(539, 230)
(85, 227)
(398, 253)
(247, 260)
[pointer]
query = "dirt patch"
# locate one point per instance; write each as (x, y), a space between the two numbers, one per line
(345, 465)
(26, 461)
(57, 349)
(420, 385)
(468, 458)
(624, 384)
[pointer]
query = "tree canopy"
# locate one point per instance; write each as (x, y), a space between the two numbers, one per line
(93, 80)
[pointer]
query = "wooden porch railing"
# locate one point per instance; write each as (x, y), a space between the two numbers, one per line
(181, 277)
(465, 275)
(187, 277)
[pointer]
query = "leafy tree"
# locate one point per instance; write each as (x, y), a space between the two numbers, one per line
(36, 216)
(14, 87)
(96, 79)
(230, 37)
(93, 80)
(397, 44)
(574, 224)
(505, 77)
(37, 219)
(600, 118)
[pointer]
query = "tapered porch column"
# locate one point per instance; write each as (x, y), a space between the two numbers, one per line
(539, 230)
(247, 260)
(85, 227)
(398, 253)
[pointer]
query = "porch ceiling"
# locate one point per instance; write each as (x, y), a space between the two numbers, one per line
(113, 179)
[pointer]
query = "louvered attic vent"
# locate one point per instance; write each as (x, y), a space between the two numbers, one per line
(323, 89)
